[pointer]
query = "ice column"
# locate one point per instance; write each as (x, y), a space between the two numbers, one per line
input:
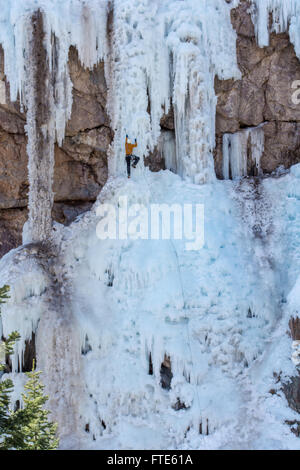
(242, 152)
(40, 129)
(203, 45)
(138, 72)
(167, 149)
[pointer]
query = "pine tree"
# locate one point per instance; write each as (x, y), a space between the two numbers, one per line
(37, 431)
(27, 428)
(7, 423)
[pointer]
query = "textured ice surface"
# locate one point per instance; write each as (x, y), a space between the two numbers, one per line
(242, 152)
(220, 314)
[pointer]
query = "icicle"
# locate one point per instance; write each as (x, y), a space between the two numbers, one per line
(235, 152)
(139, 76)
(146, 37)
(167, 149)
(196, 41)
(40, 130)
(286, 18)
(36, 66)
(226, 157)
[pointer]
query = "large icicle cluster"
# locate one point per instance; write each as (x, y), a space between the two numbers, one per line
(170, 49)
(202, 42)
(285, 17)
(157, 50)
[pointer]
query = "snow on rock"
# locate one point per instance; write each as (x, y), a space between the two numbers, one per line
(296, 352)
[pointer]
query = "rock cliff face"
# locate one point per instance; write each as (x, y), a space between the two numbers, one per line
(262, 96)
(80, 164)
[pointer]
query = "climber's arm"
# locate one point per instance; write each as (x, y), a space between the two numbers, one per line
(135, 144)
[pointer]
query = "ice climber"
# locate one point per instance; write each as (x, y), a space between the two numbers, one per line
(128, 148)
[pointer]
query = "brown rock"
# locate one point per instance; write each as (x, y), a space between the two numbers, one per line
(11, 121)
(11, 224)
(89, 97)
(227, 113)
(284, 70)
(218, 156)
(291, 390)
(87, 113)
(88, 146)
(66, 213)
(282, 145)
(1, 63)
(166, 374)
(88, 82)
(241, 20)
(29, 358)
(263, 95)
(155, 161)
(81, 163)
(76, 180)
(13, 171)
(294, 325)
(167, 121)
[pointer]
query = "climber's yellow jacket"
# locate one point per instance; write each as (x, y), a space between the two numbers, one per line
(129, 147)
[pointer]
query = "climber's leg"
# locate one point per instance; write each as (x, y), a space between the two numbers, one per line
(135, 160)
(128, 160)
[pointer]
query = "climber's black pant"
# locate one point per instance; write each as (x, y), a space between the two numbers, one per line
(134, 163)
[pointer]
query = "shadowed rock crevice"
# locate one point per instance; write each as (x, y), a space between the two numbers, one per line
(29, 355)
(166, 374)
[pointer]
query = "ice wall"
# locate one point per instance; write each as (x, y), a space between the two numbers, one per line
(213, 317)
(153, 51)
(242, 152)
(202, 42)
(285, 17)
(170, 49)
